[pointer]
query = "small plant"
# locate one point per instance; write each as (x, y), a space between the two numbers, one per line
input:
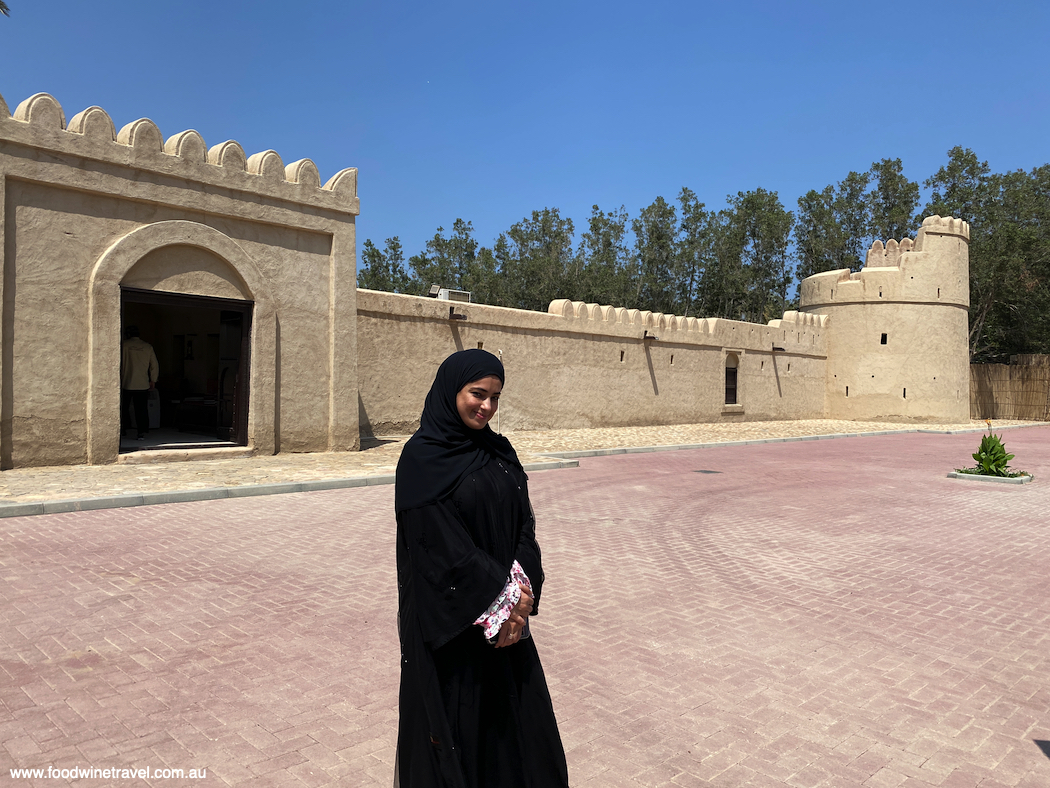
(992, 459)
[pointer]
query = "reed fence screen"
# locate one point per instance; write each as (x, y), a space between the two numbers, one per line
(1018, 390)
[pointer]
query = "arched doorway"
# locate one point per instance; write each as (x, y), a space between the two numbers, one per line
(203, 347)
(162, 269)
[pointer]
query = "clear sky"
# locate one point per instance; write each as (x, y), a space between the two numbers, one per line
(487, 111)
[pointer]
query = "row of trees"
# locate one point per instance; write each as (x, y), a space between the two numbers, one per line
(741, 261)
(1009, 216)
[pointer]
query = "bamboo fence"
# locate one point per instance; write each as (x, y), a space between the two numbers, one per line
(1018, 390)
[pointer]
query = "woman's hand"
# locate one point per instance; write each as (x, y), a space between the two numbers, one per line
(510, 632)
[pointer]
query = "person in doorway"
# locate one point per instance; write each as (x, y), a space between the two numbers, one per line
(138, 375)
(474, 706)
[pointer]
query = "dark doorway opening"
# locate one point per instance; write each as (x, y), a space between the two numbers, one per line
(203, 348)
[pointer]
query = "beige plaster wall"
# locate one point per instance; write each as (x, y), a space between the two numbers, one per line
(587, 365)
(86, 209)
(189, 270)
(917, 294)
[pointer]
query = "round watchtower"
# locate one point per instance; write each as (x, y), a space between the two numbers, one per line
(897, 330)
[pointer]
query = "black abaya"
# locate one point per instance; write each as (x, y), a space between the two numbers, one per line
(472, 715)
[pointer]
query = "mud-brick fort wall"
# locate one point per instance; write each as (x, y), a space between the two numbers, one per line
(887, 343)
(586, 365)
(87, 210)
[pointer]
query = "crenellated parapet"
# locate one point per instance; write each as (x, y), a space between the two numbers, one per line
(796, 320)
(39, 122)
(615, 315)
(944, 225)
(932, 268)
(887, 256)
(804, 331)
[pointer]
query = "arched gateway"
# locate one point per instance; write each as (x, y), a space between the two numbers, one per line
(110, 273)
(240, 269)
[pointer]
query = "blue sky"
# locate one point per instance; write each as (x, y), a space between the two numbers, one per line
(487, 111)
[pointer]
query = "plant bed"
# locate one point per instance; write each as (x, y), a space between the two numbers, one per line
(1022, 478)
(992, 463)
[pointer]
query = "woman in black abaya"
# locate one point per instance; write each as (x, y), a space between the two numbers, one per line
(475, 710)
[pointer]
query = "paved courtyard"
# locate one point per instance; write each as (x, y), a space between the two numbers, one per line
(139, 473)
(824, 613)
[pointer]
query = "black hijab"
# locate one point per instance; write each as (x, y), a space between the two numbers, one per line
(444, 450)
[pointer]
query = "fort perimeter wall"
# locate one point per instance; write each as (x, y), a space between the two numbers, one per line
(887, 343)
(586, 365)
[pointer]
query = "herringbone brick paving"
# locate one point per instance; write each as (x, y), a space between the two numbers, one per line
(832, 613)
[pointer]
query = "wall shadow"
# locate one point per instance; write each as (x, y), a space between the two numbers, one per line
(7, 354)
(455, 335)
(652, 370)
(364, 426)
(1043, 745)
(776, 374)
(277, 386)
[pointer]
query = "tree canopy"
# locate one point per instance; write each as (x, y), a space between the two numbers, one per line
(743, 260)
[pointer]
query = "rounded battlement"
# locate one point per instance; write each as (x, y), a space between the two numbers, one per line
(40, 122)
(931, 269)
(945, 225)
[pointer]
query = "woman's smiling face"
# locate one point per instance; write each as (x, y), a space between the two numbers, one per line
(478, 401)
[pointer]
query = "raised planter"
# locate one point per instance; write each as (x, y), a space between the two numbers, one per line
(976, 477)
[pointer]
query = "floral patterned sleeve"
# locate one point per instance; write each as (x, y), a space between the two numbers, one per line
(499, 611)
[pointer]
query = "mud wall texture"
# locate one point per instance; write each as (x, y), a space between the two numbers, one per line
(583, 365)
(87, 211)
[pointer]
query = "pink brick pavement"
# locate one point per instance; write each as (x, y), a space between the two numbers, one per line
(821, 613)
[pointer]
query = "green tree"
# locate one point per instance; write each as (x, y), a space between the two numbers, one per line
(893, 201)
(960, 188)
(605, 260)
(837, 225)
(4, 9)
(656, 256)
(820, 239)
(1009, 216)
(447, 262)
(724, 283)
(853, 210)
(483, 279)
(383, 270)
(762, 228)
(748, 272)
(536, 261)
(696, 239)
(834, 226)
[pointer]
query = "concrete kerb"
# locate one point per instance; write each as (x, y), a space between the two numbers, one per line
(213, 493)
(558, 460)
(976, 477)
